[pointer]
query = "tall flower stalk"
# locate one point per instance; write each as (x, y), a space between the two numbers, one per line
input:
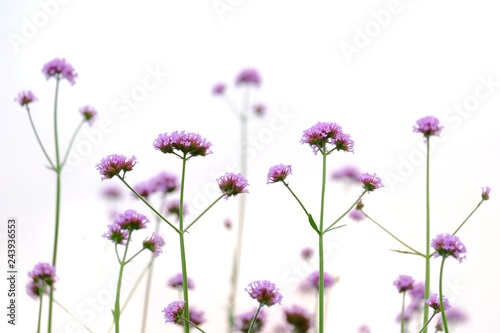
(59, 69)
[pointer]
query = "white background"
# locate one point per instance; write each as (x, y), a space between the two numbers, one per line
(425, 58)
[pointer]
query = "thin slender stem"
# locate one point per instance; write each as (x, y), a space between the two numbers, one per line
(74, 317)
(117, 311)
(52, 166)
(58, 200)
(296, 198)
(467, 218)
(254, 319)
(40, 292)
(77, 130)
(321, 254)
(424, 328)
(185, 288)
(202, 213)
(194, 325)
(427, 235)
(393, 236)
(346, 212)
(441, 303)
(403, 313)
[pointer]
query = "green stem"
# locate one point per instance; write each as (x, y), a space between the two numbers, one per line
(40, 292)
(202, 213)
(77, 130)
(321, 254)
(185, 288)
(403, 313)
(424, 328)
(117, 311)
(393, 236)
(194, 325)
(427, 234)
(346, 212)
(254, 319)
(441, 303)
(473, 211)
(149, 205)
(52, 166)
(58, 201)
(296, 198)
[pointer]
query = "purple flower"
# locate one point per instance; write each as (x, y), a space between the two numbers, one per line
(116, 234)
(58, 68)
(219, 89)
(144, 189)
(232, 184)
(154, 244)
(428, 126)
(165, 182)
(357, 215)
(297, 316)
(243, 321)
(485, 195)
(259, 109)
(433, 302)
(228, 224)
(41, 277)
(131, 220)
(323, 133)
(278, 173)
(306, 253)
(448, 245)
(173, 207)
(248, 76)
(89, 113)
(189, 144)
(176, 282)
(112, 165)
(264, 292)
(25, 97)
(349, 172)
(364, 329)
(370, 182)
(404, 283)
(112, 192)
(418, 290)
(173, 313)
(312, 281)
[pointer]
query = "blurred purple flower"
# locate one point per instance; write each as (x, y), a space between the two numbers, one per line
(404, 283)
(59, 67)
(173, 312)
(370, 182)
(248, 76)
(433, 302)
(219, 89)
(348, 172)
(89, 113)
(116, 234)
(298, 316)
(243, 321)
(131, 220)
(41, 278)
(428, 126)
(154, 244)
(25, 97)
(176, 282)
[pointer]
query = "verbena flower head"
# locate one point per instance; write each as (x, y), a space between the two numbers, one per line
(112, 165)
(323, 133)
(404, 283)
(248, 76)
(259, 109)
(131, 220)
(264, 292)
(428, 126)
(176, 282)
(448, 245)
(243, 321)
(154, 244)
(60, 68)
(116, 234)
(196, 316)
(112, 192)
(278, 173)
(25, 97)
(357, 215)
(364, 329)
(173, 313)
(189, 144)
(312, 281)
(219, 89)
(144, 189)
(418, 291)
(89, 113)
(299, 318)
(433, 302)
(41, 277)
(370, 182)
(307, 253)
(165, 182)
(485, 194)
(232, 184)
(349, 173)
(173, 207)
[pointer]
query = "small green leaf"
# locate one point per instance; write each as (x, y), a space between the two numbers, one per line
(312, 223)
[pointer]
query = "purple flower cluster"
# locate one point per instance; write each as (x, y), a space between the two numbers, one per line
(112, 165)
(434, 303)
(89, 113)
(59, 67)
(323, 133)
(264, 292)
(448, 245)
(404, 283)
(248, 76)
(163, 183)
(299, 318)
(349, 173)
(232, 184)
(131, 220)
(370, 182)
(125, 223)
(173, 312)
(356, 214)
(176, 282)
(278, 173)
(428, 126)
(189, 144)
(25, 97)
(173, 207)
(219, 89)
(41, 277)
(154, 244)
(243, 321)
(312, 281)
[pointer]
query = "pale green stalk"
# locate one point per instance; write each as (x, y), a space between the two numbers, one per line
(403, 313)
(321, 254)
(185, 289)
(254, 319)
(122, 262)
(427, 236)
(441, 303)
